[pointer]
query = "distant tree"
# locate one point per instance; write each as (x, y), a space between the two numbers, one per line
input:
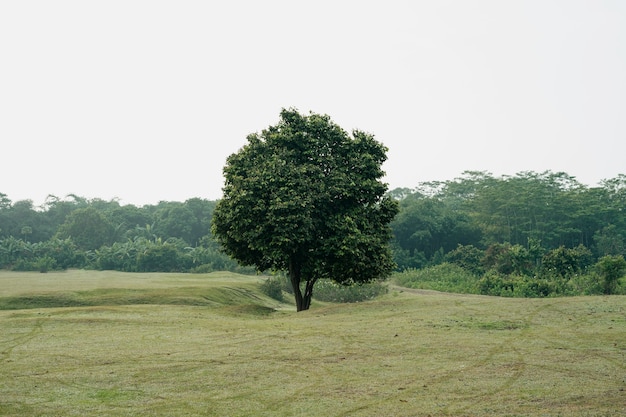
(609, 241)
(611, 268)
(418, 226)
(566, 262)
(22, 220)
(425, 227)
(468, 257)
(174, 220)
(88, 228)
(506, 259)
(305, 197)
(202, 214)
(5, 201)
(56, 211)
(159, 257)
(190, 221)
(127, 220)
(13, 250)
(400, 193)
(614, 201)
(64, 253)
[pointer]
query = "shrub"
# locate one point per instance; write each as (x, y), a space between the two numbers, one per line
(326, 290)
(508, 259)
(443, 277)
(468, 257)
(159, 258)
(497, 284)
(273, 287)
(329, 291)
(45, 264)
(611, 268)
(41, 264)
(585, 284)
(565, 262)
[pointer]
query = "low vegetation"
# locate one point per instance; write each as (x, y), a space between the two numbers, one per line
(117, 344)
(326, 290)
(606, 278)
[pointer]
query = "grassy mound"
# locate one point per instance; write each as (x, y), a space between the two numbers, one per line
(93, 288)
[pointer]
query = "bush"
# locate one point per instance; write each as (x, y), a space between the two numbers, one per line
(494, 283)
(586, 284)
(273, 287)
(159, 258)
(45, 264)
(508, 259)
(565, 262)
(443, 277)
(41, 264)
(329, 291)
(611, 268)
(326, 290)
(497, 284)
(467, 257)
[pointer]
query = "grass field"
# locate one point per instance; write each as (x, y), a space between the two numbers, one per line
(85, 343)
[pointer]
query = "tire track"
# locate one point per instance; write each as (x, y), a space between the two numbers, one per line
(516, 365)
(521, 364)
(10, 344)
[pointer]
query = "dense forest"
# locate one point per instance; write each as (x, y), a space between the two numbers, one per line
(539, 229)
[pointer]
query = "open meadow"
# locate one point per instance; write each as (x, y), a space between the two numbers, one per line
(87, 343)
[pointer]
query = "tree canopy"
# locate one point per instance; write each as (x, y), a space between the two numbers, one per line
(305, 197)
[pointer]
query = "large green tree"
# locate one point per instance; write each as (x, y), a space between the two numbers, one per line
(305, 197)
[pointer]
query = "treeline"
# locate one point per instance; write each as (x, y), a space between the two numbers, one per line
(531, 234)
(75, 232)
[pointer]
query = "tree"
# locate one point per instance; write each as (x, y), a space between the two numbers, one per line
(508, 259)
(611, 269)
(566, 262)
(88, 228)
(158, 257)
(202, 211)
(609, 241)
(174, 220)
(306, 198)
(425, 226)
(467, 257)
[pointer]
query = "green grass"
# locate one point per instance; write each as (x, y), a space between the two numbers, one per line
(214, 345)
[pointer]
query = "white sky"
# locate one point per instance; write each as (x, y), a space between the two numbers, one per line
(144, 100)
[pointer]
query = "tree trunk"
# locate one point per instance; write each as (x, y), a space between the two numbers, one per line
(308, 293)
(295, 276)
(303, 301)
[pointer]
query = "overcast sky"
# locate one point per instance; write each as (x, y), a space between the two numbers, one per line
(144, 100)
